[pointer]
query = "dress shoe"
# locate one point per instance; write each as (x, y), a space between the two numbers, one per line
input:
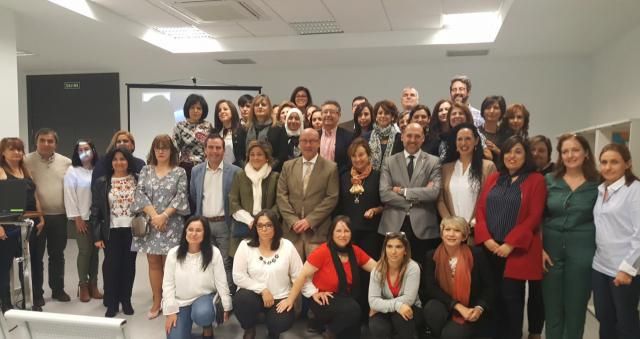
(154, 314)
(60, 296)
(111, 312)
(36, 308)
(83, 292)
(38, 301)
(127, 308)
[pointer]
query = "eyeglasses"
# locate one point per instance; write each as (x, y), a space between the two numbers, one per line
(330, 111)
(264, 227)
(395, 235)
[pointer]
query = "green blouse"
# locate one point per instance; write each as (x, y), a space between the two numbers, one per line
(569, 211)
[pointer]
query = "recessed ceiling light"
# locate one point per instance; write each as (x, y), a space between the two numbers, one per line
(79, 6)
(478, 20)
(188, 32)
(467, 28)
(316, 27)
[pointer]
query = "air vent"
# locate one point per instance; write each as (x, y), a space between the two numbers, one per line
(212, 11)
(24, 53)
(245, 61)
(316, 27)
(468, 53)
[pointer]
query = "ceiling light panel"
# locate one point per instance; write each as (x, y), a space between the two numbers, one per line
(359, 16)
(208, 11)
(413, 14)
(300, 10)
(145, 12)
(225, 30)
(317, 27)
(466, 6)
(183, 32)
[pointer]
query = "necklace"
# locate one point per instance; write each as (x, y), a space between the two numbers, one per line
(268, 262)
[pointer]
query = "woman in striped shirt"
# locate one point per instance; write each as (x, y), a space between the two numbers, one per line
(508, 217)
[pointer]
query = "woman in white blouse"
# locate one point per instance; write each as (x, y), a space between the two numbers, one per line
(77, 203)
(193, 274)
(463, 174)
(616, 285)
(264, 269)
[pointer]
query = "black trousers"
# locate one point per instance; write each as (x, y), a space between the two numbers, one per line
(248, 304)
(341, 315)
(54, 239)
(392, 325)
(419, 247)
(438, 319)
(616, 307)
(9, 249)
(371, 243)
(510, 302)
(118, 267)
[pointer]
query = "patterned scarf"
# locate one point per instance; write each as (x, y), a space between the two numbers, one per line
(377, 135)
(357, 179)
(258, 131)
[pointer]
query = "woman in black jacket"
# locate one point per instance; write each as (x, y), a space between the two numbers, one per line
(260, 126)
(227, 124)
(112, 196)
(456, 284)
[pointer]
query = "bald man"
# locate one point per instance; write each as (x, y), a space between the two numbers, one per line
(307, 194)
(409, 189)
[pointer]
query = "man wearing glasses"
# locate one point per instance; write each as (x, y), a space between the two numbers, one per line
(334, 140)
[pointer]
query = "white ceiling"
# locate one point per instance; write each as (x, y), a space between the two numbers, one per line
(376, 32)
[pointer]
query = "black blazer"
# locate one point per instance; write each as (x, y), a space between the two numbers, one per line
(481, 282)
(239, 139)
(369, 199)
(343, 141)
(100, 219)
(102, 168)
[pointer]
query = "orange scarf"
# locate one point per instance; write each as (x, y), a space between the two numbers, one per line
(458, 286)
(357, 178)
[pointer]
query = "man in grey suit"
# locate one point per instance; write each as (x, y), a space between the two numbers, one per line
(307, 194)
(209, 191)
(409, 189)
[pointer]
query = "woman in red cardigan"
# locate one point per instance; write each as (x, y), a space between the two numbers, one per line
(508, 216)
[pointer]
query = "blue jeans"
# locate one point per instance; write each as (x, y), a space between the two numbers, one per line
(202, 312)
(616, 307)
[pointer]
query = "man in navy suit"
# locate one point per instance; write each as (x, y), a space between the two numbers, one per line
(334, 140)
(209, 191)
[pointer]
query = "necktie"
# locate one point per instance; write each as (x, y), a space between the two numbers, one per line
(306, 176)
(410, 166)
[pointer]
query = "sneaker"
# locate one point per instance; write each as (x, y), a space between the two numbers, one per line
(61, 296)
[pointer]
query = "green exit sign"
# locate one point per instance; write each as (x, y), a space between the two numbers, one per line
(72, 85)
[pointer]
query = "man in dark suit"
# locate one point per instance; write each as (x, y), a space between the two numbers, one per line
(334, 140)
(307, 194)
(209, 190)
(409, 188)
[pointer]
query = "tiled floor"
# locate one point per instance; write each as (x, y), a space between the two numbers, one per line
(139, 327)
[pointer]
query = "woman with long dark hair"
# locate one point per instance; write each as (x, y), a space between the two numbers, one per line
(227, 125)
(439, 123)
(334, 268)
(616, 285)
(77, 204)
(264, 268)
(515, 121)
(492, 109)
(508, 217)
(363, 118)
(112, 196)
(569, 235)
(393, 291)
(193, 274)
(463, 173)
(301, 97)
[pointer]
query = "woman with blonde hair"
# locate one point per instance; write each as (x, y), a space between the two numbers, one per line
(261, 126)
(457, 283)
(393, 291)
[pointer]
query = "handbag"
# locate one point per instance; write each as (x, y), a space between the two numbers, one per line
(217, 303)
(140, 225)
(240, 230)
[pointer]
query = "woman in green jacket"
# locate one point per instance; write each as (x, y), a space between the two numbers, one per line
(569, 238)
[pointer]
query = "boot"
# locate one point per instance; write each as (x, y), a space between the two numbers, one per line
(94, 291)
(83, 292)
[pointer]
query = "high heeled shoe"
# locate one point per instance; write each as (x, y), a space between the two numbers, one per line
(154, 314)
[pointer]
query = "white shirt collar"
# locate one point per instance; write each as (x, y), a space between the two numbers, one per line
(613, 187)
(415, 155)
(220, 167)
(312, 161)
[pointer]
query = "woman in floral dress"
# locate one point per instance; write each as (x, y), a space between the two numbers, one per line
(162, 195)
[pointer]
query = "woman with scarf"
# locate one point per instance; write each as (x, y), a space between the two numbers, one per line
(260, 126)
(385, 138)
(334, 268)
(252, 190)
(293, 124)
(457, 283)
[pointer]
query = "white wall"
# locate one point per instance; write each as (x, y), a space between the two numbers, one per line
(545, 85)
(9, 121)
(615, 85)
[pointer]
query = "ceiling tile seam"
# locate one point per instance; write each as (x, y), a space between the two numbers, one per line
(330, 12)
(277, 14)
(173, 13)
(386, 14)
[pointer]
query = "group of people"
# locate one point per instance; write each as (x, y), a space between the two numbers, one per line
(414, 222)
